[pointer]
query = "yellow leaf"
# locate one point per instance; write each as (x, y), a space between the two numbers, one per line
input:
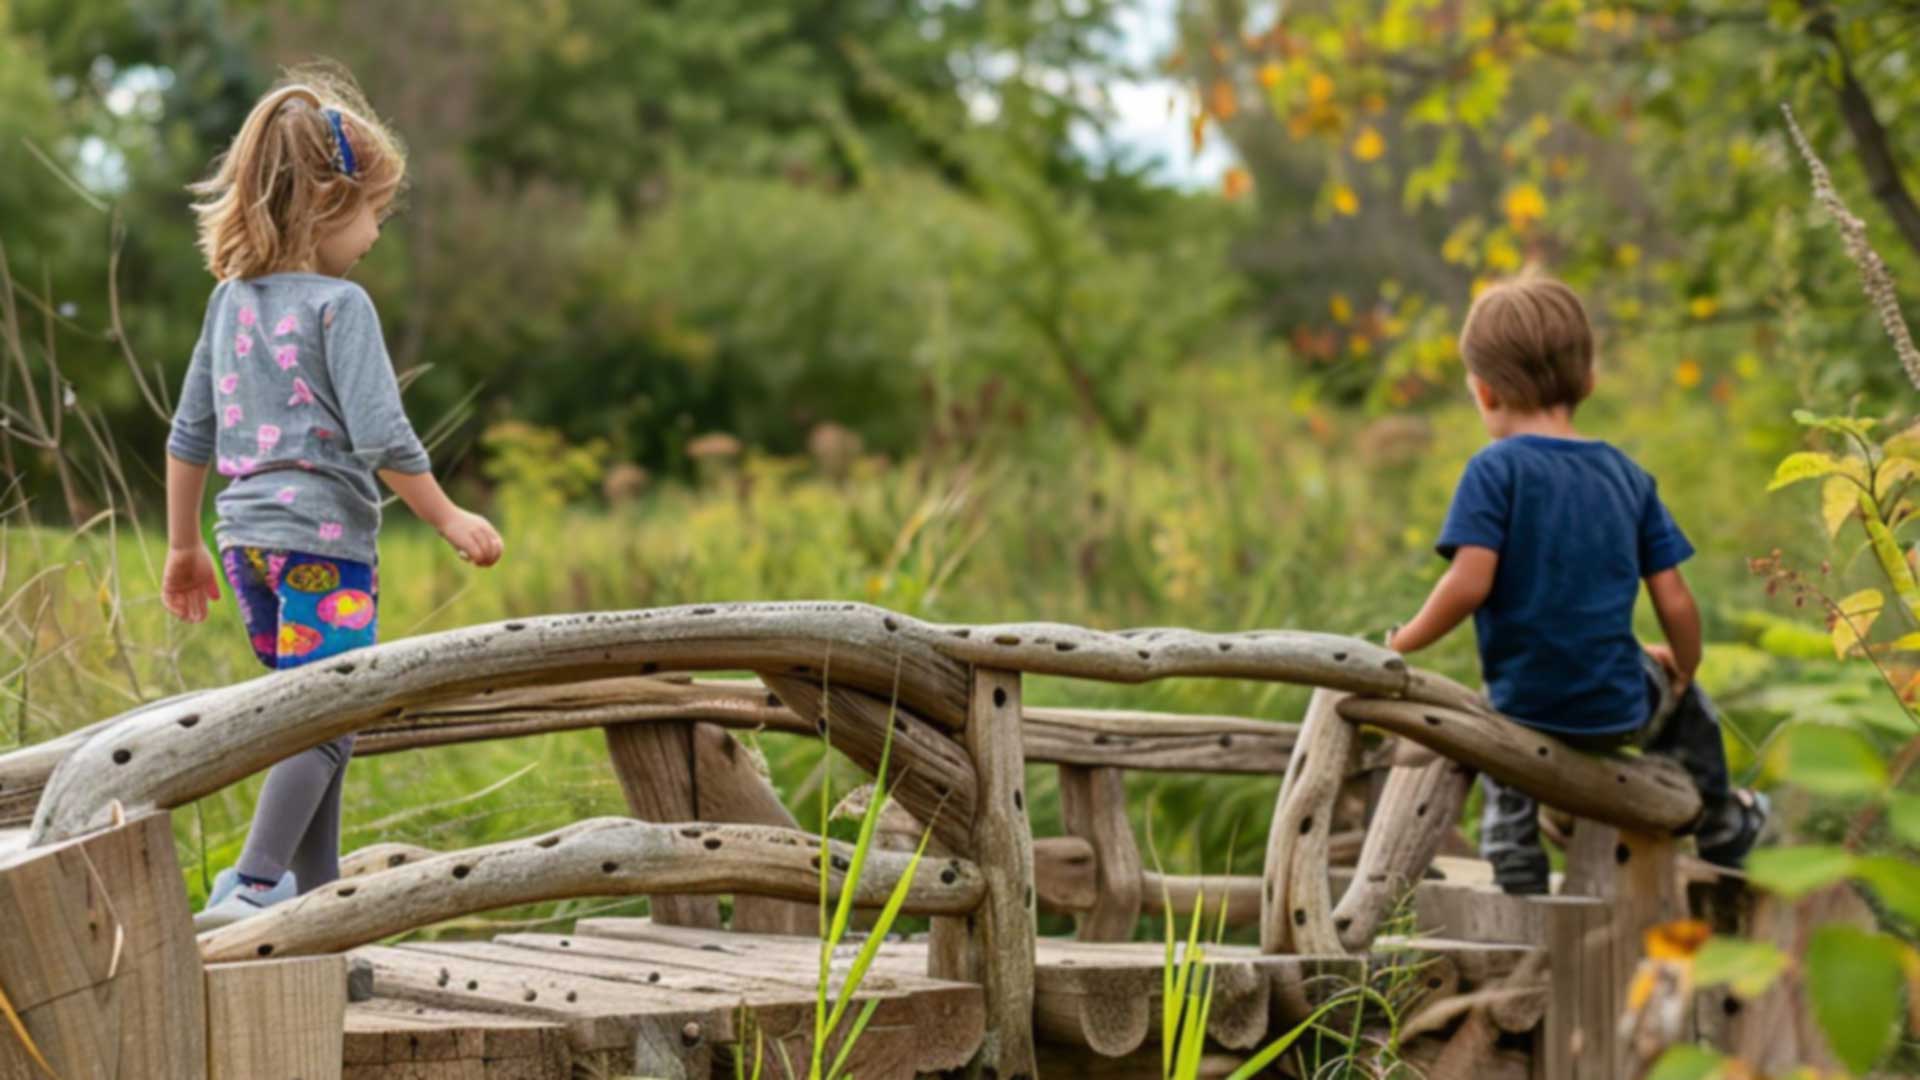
(1524, 205)
(1746, 365)
(1319, 88)
(1687, 374)
(1839, 500)
(1369, 145)
(1804, 465)
(1236, 183)
(1345, 201)
(1339, 308)
(1907, 643)
(1854, 620)
(1361, 345)
(1677, 940)
(1891, 472)
(1270, 74)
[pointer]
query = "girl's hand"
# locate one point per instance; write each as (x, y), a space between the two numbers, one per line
(188, 582)
(473, 536)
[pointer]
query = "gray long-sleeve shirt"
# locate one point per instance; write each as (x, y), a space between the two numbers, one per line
(291, 394)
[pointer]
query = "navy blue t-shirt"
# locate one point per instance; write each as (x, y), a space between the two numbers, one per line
(1578, 526)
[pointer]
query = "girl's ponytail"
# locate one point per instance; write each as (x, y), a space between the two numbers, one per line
(286, 175)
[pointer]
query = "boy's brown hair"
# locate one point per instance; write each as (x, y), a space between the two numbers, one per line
(1529, 339)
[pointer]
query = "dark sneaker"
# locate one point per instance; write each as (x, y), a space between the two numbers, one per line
(1522, 872)
(1727, 841)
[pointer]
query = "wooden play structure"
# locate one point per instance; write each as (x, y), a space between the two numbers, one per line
(99, 961)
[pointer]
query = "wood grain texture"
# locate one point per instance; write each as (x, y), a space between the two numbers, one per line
(597, 857)
(732, 788)
(1646, 793)
(654, 763)
(1093, 807)
(388, 1039)
(1296, 913)
(276, 1018)
(98, 959)
(1418, 807)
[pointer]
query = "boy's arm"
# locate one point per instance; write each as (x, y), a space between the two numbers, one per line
(1458, 594)
(1680, 620)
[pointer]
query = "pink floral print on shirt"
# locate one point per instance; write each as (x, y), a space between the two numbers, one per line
(237, 466)
(287, 325)
(269, 436)
(243, 344)
(286, 495)
(302, 393)
(287, 356)
(229, 382)
(331, 530)
(231, 415)
(247, 317)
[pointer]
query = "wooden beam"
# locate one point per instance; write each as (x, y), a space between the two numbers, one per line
(97, 957)
(278, 1018)
(1296, 910)
(1418, 808)
(654, 763)
(731, 788)
(928, 773)
(995, 946)
(597, 857)
(1093, 807)
(1158, 742)
(169, 755)
(1646, 793)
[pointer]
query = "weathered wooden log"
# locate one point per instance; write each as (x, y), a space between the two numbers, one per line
(276, 1018)
(169, 755)
(995, 946)
(1639, 878)
(1063, 875)
(1093, 807)
(654, 763)
(598, 857)
(97, 957)
(1158, 742)
(1417, 808)
(377, 857)
(1176, 894)
(930, 774)
(731, 786)
(1645, 793)
(1296, 906)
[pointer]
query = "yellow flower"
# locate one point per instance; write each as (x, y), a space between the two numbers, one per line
(1480, 285)
(1339, 308)
(1319, 88)
(1627, 255)
(1524, 206)
(1502, 255)
(1603, 20)
(1687, 374)
(1369, 145)
(1746, 365)
(1270, 74)
(1540, 125)
(1703, 307)
(1361, 345)
(1345, 201)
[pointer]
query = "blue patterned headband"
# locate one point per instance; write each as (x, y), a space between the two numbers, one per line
(344, 159)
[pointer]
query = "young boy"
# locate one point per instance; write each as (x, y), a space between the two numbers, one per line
(1550, 535)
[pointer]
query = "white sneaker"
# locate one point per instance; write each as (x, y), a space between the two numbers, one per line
(242, 902)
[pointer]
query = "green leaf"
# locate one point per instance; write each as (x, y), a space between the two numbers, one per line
(1904, 812)
(1830, 760)
(1897, 882)
(1795, 871)
(1854, 621)
(1839, 425)
(1854, 979)
(1804, 465)
(1749, 967)
(1687, 1062)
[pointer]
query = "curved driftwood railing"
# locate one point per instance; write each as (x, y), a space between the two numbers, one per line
(961, 737)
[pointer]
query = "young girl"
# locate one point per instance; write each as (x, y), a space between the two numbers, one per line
(291, 395)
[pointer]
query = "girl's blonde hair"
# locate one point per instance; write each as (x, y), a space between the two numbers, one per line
(284, 179)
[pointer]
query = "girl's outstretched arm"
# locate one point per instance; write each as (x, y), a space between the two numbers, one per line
(473, 536)
(189, 579)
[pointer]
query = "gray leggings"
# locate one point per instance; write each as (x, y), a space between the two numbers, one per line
(296, 826)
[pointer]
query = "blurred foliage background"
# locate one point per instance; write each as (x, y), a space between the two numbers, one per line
(762, 299)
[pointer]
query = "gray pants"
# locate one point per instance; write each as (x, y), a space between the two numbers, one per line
(296, 826)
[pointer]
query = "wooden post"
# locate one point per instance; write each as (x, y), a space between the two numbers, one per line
(1576, 1036)
(994, 946)
(655, 765)
(276, 1018)
(731, 788)
(1418, 807)
(1296, 904)
(1093, 806)
(97, 957)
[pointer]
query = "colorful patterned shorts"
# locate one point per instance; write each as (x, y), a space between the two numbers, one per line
(299, 608)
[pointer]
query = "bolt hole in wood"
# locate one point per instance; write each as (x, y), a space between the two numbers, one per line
(948, 877)
(609, 867)
(460, 872)
(1339, 658)
(1542, 751)
(264, 950)
(122, 756)
(473, 984)
(189, 721)
(999, 697)
(1019, 800)
(547, 842)
(713, 843)
(1299, 916)
(1621, 854)
(1306, 825)
(347, 892)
